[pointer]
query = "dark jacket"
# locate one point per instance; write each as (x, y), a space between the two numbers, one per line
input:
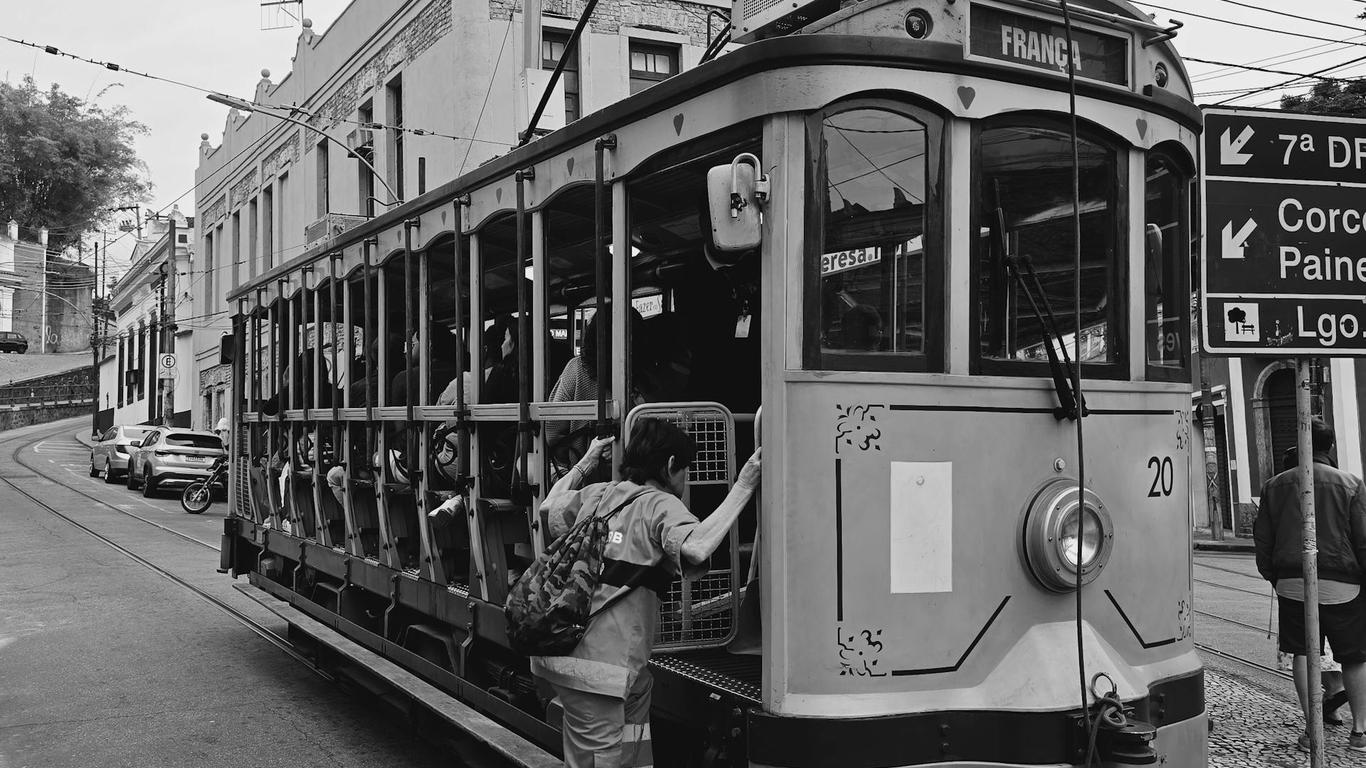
(1340, 516)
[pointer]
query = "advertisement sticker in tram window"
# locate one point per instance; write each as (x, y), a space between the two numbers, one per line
(1042, 44)
(843, 261)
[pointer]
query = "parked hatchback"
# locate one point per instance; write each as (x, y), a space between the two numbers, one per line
(13, 341)
(172, 455)
(112, 449)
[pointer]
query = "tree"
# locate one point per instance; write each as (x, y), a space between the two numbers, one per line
(1344, 98)
(64, 161)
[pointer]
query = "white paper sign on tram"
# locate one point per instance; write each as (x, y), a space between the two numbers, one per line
(1283, 268)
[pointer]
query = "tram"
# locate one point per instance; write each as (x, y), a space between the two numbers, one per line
(854, 245)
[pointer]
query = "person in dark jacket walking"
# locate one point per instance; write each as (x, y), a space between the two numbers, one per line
(1340, 515)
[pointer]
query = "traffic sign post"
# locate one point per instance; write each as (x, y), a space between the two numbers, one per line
(1283, 271)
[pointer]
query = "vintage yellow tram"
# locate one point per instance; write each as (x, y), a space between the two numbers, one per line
(879, 284)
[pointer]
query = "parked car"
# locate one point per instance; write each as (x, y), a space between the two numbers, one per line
(13, 341)
(172, 455)
(113, 448)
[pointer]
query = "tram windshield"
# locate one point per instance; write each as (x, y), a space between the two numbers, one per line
(1027, 278)
(878, 249)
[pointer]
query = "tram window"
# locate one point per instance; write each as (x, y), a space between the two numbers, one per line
(877, 270)
(1025, 217)
(1165, 292)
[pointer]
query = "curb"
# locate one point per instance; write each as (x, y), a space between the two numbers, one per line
(1206, 545)
(83, 437)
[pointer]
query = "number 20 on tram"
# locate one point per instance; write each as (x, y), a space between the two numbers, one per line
(867, 229)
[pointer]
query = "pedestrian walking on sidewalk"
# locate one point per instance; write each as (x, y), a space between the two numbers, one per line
(1340, 513)
(1334, 693)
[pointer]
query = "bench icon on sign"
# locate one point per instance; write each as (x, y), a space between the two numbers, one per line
(1240, 322)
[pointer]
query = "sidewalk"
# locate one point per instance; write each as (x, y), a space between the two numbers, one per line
(84, 438)
(1204, 543)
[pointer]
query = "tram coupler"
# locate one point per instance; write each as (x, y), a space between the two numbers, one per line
(1119, 739)
(227, 545)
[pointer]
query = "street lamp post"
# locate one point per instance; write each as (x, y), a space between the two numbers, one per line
(246, 106)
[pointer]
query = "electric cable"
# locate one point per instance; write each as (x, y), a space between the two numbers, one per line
(1245, 25)
(1076, 340)
(371, 125)
(1290, 15)
(1293, 80)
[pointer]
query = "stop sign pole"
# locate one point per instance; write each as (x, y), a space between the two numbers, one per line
(1310, 539)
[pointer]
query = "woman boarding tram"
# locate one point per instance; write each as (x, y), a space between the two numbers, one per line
(938, 567)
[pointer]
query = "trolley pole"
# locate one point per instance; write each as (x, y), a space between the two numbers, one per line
(1311, 562)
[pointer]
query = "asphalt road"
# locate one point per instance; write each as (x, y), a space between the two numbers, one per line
(105, 662)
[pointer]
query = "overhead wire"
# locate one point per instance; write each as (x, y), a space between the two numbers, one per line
(371, 125)
(1280, 58)
(1293, 80)
(1290, 15)
(1246, 25)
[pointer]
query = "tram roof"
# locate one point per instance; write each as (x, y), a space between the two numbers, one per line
(804, 50)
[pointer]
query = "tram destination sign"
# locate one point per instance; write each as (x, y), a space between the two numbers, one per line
(1038, 43)
(1283, 267)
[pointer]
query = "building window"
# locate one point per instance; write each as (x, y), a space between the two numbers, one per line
(208, 272)
(365, 115)
(553, 46)
(267, 227)
(322, 179)
(253, 230)
(234, 268)
(118, 385)
(650, 63)
(394, 95)
(282, 226)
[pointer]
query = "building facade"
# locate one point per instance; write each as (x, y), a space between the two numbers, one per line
(153, 313)
(44, 295)
(424, 90)
(1250, 423)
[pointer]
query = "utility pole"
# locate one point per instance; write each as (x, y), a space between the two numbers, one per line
(42, 304)
(170, 328)
(96, 344)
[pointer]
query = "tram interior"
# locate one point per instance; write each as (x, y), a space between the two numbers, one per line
(694, 336)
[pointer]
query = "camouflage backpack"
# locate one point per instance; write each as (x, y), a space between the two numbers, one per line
(548, 609)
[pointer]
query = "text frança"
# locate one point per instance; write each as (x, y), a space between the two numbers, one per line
(1037, 47)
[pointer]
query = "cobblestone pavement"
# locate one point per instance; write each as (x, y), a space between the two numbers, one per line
(1256, 728)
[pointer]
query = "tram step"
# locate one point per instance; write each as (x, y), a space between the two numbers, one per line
(507, 744)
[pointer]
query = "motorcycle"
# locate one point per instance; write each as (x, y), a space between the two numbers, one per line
(198, 495)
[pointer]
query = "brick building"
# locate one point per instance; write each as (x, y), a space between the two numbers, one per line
(454, 68)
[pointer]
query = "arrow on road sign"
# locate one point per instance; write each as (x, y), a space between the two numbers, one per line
(1235, 243)
(1230, 149)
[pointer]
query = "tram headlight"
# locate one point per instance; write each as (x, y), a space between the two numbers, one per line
(1088, 539)
(1057, 530)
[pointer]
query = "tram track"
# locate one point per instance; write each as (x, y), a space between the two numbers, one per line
(256, 627)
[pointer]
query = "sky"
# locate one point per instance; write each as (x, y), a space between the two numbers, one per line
(220, 45)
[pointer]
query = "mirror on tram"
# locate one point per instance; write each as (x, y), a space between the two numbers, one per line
(735, 196)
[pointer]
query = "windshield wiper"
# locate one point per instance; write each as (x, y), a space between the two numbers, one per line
(1071, 404)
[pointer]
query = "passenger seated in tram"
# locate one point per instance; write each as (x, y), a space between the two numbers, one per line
(498, 440)
(861, 327)
(441, 369)
(567, 440)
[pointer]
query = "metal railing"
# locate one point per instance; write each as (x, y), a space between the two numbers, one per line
(17, 395)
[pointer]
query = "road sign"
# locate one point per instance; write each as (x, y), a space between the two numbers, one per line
(1283, 268)
(166, 365)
